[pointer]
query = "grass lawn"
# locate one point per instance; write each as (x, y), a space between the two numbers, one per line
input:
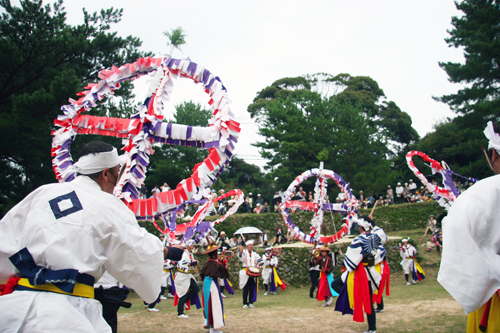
(425, 307)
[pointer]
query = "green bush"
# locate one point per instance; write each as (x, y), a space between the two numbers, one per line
(391, 218)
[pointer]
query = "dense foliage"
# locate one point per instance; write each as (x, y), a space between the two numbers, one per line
(46, 61)
(458, 140)
(350, 131)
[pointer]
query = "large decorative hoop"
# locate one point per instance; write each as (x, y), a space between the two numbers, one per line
(445, 196)
(147, 127)
(319, 206)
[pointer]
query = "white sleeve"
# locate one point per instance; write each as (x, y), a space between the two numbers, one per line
(470, 265)
(135, 257)
(11, 227)
(352, 258)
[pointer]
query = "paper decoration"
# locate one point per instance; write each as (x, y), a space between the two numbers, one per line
(446, 195)
(319, 206)
(146, 127)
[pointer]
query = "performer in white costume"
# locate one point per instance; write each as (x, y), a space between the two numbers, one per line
(470, 265)
(73, 232)
(269, 263)
(407, 252)
(186, 287)
(249, 258)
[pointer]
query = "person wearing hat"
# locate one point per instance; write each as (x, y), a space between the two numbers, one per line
(257, 209)
(409, 264)
(412, 187)
(399, 193)
(249, 203)
(211, 272)
(186, 287)
(326, 262)
(431, 225)
(249, 258)
(269, 273)
(222, 241)
(470, 265)
(360, 277)
(73, 232)
(260, 200)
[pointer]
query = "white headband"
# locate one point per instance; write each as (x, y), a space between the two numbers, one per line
(249, 242)
(494, 138)
(269, 249)
(404, 240)
(365, 224)
(93, 163)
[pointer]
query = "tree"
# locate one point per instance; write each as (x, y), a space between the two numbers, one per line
(46, 61)
(458, 140)
(301, 128)
(477, 32)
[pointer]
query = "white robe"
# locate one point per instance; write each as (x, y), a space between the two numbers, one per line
(266, 272)
(183, 280)
(165, 276)
(470, 265)
(248, 261)
(102, 236)
(407, 252)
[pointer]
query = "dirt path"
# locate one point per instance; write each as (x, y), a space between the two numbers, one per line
(293, 311)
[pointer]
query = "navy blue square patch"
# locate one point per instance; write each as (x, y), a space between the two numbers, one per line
(54, 205)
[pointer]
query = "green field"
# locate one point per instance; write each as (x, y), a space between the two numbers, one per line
(425, 307)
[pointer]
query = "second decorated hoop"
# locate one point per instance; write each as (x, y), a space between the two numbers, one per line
(319, 206)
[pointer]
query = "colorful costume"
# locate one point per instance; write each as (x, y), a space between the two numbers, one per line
(382, 267)
(71, 231)
(325, 290)
(360, 280)
(470, 265)
(248, 283)
(186, 287)
(212, 300)
(410, 264)
(270, 274)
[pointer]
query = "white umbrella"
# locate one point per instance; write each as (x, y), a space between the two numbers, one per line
(248, 230)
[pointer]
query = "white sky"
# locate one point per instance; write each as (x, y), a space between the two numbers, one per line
(250, 45)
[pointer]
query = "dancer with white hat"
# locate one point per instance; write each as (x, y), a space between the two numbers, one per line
(249, 273)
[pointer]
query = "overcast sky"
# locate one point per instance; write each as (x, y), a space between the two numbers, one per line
(251, 44)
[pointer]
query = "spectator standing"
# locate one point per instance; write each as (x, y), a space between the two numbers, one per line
(399, 193)
(412, 187)
(390, 193)
(165, 187)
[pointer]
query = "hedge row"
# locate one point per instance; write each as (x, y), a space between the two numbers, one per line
(391, 218)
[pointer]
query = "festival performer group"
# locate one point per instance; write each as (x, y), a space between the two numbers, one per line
(67, 250)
